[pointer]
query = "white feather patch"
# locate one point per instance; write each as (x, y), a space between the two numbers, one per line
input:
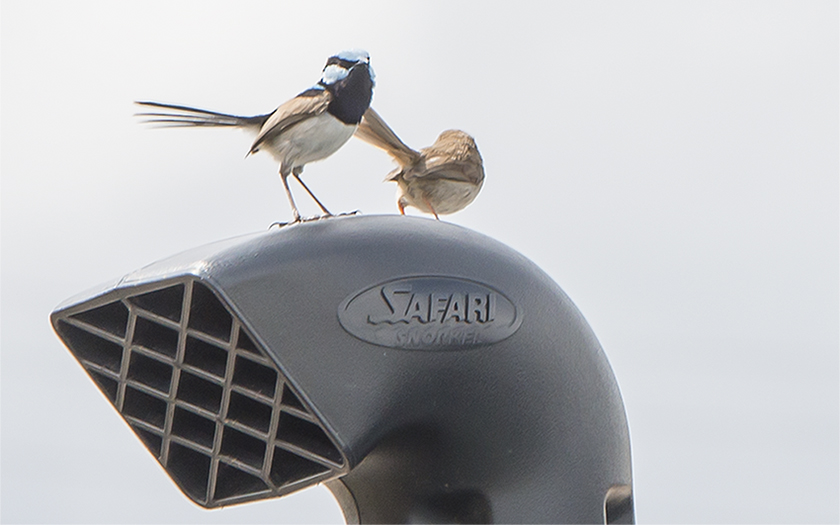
(333, 73)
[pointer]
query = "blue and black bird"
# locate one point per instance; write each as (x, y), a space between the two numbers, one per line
(310, 127)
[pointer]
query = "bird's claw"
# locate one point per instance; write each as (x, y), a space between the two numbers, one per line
(315, 218)
(297, 220)
(330, 216)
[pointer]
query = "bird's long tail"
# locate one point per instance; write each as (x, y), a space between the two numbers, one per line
(173, 115)
(373, 130)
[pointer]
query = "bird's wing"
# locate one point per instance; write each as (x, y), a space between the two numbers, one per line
(453, 156)
(173, 115)
(449, 170)
(376, 132)
(308, 104)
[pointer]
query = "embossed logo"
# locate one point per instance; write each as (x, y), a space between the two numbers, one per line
(429, 313)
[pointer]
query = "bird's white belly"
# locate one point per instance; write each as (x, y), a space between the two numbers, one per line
(444, 196)
(311, 140)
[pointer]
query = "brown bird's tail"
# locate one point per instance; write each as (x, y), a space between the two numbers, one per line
(376, 132)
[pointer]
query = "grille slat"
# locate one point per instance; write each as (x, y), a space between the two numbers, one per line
(93, 367)
(253, 395)
(106, 383)
(111, 318)
(231, 481)
(140, 387)
(101, 351)
(200, 393)
(95, 330)
(155, 337)
(206, 357)
(153, 317)
(190, 444)
(299, 413)
(151, 439)
(139, 423)
(201, 336)
(150, 372)
(207, 376)
(165, 303)
(208, 315)
(306, 453)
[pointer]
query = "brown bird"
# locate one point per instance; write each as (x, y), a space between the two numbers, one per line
(440, 179)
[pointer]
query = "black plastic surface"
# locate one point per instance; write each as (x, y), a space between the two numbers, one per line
(449, 379)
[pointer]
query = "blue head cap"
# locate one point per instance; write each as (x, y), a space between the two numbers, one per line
(334, 72)
(354, 55)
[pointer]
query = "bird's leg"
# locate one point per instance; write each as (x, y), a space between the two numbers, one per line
(429, 204)
(296, 172)
(283, 177)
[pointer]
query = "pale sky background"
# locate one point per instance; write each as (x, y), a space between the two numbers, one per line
(672, 165)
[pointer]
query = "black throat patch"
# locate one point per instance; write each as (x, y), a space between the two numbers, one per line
(351, 95)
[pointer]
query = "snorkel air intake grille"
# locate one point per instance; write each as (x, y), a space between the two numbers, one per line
(197, 389)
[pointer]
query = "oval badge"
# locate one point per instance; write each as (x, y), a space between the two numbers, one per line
(429, 313)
